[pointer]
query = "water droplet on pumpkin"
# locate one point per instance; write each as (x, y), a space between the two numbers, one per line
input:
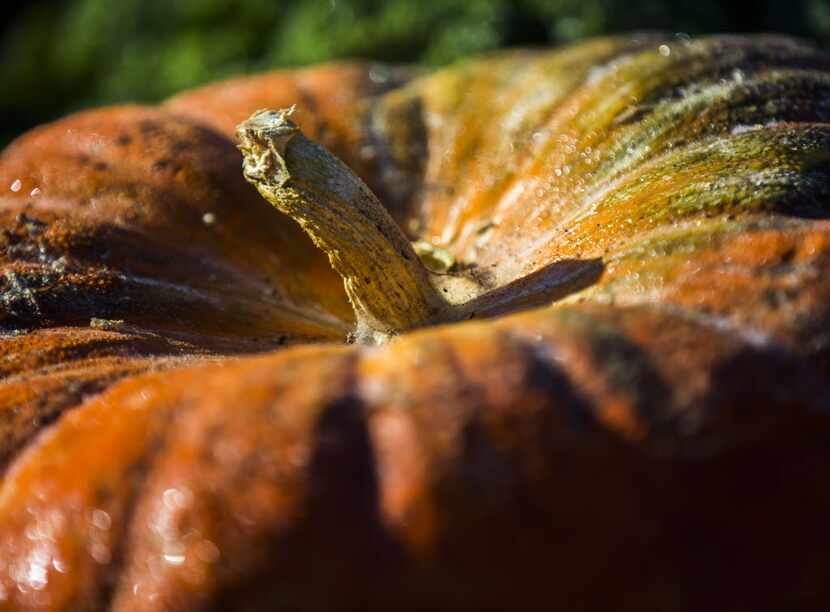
(100, 519)
(35, 192)
(664, 50)
(174, 559)
(37, 577)
(174, 499)
(174, 553)
(208, 218)
(741, 129)
(16, 185)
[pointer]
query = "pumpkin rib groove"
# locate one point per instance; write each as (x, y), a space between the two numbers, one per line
(627, 374)
(59, 378)
(690, 414)
(84, 383)
(139, 471)
(684, 105)
(626, 247)
(697, 153)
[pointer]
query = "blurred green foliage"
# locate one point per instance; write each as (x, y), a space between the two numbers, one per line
(56, 57)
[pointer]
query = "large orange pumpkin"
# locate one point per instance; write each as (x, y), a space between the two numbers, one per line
(635, 419)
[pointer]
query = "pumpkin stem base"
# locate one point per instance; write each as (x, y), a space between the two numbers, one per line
(387, 284)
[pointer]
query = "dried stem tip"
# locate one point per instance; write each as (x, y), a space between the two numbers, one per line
(385, 281)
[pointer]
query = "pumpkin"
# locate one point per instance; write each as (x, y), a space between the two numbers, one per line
(577, 359)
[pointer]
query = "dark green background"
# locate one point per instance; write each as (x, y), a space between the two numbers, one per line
(61, 56)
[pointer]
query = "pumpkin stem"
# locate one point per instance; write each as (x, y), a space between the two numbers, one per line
(386, 282)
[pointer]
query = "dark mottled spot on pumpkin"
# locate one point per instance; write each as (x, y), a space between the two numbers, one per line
(123, 140)
(323, 130)
(161, 164)
(101, 166)
(83, 158)
(149, 126)
(788, 256)
(307, 100)
(181, 145)
(103, 493)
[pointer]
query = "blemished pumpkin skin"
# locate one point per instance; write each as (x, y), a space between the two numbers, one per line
(636, 417)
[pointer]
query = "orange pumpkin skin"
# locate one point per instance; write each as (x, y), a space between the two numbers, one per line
(639, 421)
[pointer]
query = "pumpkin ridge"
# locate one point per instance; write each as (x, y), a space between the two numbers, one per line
(138, 241)
(139, 471)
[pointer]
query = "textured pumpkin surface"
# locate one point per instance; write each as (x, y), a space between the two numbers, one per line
(636, 420)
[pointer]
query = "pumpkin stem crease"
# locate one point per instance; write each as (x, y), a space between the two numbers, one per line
(385, 281)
